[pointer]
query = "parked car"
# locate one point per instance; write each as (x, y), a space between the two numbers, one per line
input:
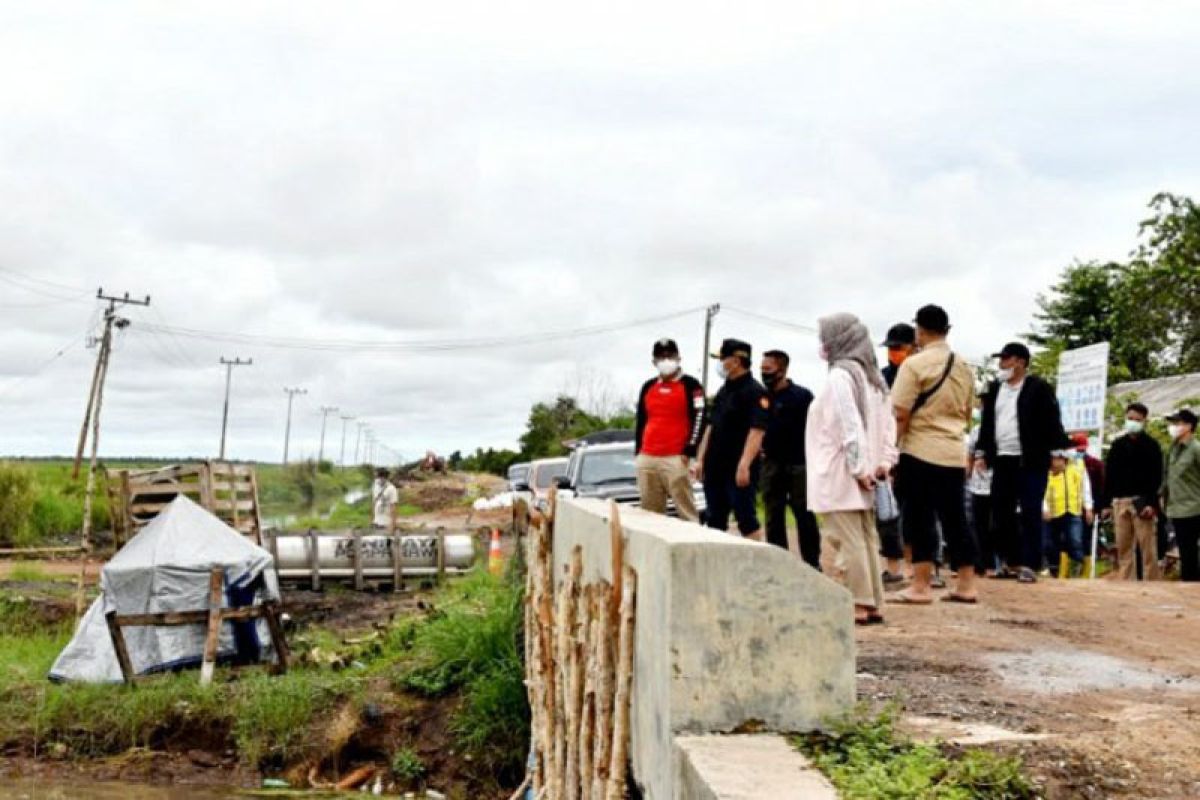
(542, 476)
(609, 472)
(517, 473)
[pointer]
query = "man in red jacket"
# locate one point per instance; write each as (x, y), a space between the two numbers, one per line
(670, 422)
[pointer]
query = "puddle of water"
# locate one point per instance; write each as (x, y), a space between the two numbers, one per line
(1069, 671)
(27, 789)
(968, 734)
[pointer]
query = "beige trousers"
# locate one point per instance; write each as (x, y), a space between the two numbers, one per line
(1133, 531)
(662, 477)
(850, 554)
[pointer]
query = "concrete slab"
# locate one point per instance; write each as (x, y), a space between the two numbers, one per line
(732, 635)
(746, 767)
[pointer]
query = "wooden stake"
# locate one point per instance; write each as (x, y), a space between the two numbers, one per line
(617, 535)
(118, 640)
(620, 747)
(605, 689)
(587, 722)
(216, 580)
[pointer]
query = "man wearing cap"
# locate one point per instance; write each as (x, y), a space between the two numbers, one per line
(784, 474)
(932, 399)
(900, 342)
(1021, 426)
(670, 421)
(1181, 491)
(728, 458)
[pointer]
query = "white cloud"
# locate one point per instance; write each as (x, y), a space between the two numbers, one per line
(389, 172)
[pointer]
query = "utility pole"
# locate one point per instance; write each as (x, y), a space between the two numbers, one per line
(345, 420)
(92, 415)
(287, 431)
(229, 365)
(709, 314)
(358, 440)
(325, 412)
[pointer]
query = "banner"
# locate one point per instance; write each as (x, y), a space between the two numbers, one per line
(1083, 387)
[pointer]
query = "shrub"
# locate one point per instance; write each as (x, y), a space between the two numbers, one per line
(17, 497)
(407, 766)
(866, 759)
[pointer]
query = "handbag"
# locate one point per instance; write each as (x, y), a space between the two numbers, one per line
(886, 507)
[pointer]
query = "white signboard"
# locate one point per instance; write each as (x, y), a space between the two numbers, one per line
(1083, 387)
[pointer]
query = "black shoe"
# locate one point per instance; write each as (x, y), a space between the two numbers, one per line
(938, 582)
(1026, 575)
(892, 578)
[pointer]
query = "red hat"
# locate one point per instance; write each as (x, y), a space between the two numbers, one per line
(1080, 440)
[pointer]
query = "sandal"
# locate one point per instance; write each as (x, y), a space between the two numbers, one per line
(955, 597)
(904, 599)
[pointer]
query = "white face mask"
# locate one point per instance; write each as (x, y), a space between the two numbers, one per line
(722, 372)
(1174, 430)
(667, 367)
(1133, 426)
(1005, 374)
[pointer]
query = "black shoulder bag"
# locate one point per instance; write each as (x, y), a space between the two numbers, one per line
(924, 396)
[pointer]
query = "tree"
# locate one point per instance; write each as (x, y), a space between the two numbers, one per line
(1148, 308)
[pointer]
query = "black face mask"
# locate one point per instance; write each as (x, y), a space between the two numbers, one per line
(769, 378)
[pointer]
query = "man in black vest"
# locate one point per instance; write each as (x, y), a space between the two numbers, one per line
(1021, 425)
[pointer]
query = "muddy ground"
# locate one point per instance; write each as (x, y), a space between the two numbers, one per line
(1096, 684)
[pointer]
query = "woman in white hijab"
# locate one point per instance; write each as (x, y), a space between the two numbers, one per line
(850, 444)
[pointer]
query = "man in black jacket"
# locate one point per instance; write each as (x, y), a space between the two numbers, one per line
(784, 477)
(1133, 476)
(670, 422)
(1021, 425)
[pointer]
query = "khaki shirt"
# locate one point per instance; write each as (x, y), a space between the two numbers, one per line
(935, 432)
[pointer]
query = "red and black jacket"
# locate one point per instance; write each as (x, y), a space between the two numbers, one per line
(697, 409)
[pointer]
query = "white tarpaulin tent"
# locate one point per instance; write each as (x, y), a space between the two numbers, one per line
(166, 567)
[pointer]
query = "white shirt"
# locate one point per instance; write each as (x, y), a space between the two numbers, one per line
(384, 497)
(978, 483)
(1008, 428)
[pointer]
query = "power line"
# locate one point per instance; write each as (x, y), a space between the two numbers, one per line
(429, 345)
(797, 326)
(22, 281)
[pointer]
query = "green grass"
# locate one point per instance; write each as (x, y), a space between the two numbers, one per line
(867, 759)
(407, 766)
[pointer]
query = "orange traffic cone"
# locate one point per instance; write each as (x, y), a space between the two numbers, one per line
(495, 558)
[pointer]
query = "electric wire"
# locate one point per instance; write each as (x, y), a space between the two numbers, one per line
(797, 326)
(415, 346)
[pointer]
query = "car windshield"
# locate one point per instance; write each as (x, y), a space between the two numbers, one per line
(546, 473)
(518, 473)
(610, 466)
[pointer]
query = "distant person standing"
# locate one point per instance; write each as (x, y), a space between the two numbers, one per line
(1133, 475)
(850, 443)
(1181, 491)
(670, 422)
(932, 399)
(901, 341)
(384, 497)
(1021, 426)
(979, 487)
(784, 475)
(728, 459)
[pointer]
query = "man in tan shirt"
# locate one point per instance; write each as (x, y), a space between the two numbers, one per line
(932, 398)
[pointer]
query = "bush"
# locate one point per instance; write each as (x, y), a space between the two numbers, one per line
(866, 759)
(17, 498)
(407, 766)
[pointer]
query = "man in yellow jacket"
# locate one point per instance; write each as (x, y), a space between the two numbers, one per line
(1068, 508)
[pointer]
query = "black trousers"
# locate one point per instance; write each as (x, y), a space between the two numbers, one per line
(1019, 536)
(785, 486)
(933, 494)
(985, 533)
(1187, 536)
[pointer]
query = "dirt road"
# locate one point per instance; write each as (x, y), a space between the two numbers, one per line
(1095, 684)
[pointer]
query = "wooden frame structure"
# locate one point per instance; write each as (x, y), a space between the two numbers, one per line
(214, 615)
(230, 491)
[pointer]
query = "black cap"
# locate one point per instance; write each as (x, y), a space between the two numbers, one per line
(1183, 415)
(665, 347)
(733, 347)
(933, 318)
(1014, 349)
(900, 334)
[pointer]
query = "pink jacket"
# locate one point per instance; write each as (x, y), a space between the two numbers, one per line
(838, 447)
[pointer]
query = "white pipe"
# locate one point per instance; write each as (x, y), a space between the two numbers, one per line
(336, 552)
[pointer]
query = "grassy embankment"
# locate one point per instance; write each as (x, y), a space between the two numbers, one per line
(866, 758)
(464, 656)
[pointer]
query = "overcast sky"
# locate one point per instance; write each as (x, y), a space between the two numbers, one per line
(442, 171)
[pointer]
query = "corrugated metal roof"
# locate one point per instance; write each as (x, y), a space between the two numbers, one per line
(1162, 395)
